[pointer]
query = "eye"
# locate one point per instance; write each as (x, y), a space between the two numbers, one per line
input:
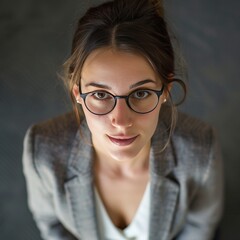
(140, 94)
(101, 95)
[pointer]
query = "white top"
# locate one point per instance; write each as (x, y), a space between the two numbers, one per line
(137, 230)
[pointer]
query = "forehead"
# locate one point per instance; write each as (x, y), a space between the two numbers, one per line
(108, 63)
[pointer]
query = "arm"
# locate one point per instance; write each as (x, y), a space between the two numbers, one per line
(206, 207)
(39, 199)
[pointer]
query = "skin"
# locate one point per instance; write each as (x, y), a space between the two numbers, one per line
(121, 172)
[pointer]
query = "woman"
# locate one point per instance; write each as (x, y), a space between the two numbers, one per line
(126, 167)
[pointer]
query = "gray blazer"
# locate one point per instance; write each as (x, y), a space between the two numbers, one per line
(186, 180)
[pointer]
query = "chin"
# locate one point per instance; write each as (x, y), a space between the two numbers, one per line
(124, 155)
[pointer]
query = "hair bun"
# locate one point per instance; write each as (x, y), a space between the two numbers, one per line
(158, 4)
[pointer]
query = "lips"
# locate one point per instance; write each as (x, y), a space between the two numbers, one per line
(122, 141)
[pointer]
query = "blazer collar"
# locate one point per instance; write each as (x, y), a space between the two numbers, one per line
(164, 191)
(81, 156)
(79, 185)
(162, 158)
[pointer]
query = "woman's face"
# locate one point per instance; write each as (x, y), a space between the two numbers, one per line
(122, 134)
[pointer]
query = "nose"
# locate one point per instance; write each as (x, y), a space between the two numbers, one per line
(121, 115)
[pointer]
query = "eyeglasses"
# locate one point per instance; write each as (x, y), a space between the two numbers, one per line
(141, 101)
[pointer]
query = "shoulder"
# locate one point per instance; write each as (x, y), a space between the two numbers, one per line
(193, 129)
(193, 140)
(188, 128)
(49, 143)
(57, 128)
(195, 145)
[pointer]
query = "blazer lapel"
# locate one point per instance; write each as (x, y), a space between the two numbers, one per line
(79, 186)
(164, 191)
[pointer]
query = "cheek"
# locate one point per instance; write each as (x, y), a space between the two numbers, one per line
(95, 123)
(150, 120)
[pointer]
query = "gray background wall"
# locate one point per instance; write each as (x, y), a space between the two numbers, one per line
(34, 41)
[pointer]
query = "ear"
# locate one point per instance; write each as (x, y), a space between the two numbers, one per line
(76, 94)
(168, 87)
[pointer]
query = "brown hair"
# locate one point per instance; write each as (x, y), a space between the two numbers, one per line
(136, 26)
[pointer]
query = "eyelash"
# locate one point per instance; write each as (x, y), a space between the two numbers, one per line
(144, 90)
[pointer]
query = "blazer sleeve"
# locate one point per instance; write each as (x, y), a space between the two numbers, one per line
(39, 199)
(206, 207)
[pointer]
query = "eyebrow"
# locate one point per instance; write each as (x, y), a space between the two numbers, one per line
(100, 85)
(142, 83)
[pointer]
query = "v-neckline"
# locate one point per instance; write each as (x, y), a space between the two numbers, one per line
(120, 233)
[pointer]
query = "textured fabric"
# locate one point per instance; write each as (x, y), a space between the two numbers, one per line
(186, 180)
(138, 228)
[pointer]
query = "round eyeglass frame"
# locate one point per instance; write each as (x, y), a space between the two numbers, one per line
(126, 97)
